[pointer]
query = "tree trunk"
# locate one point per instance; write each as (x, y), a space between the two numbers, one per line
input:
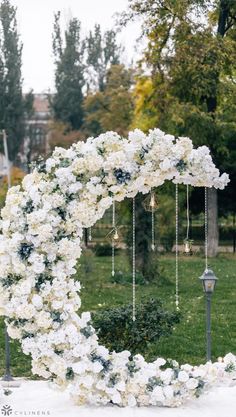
(213, 230)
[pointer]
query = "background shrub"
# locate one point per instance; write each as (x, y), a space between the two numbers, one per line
(117, 331)
(103, 249)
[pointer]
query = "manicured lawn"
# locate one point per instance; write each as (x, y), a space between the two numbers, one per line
(187, 343)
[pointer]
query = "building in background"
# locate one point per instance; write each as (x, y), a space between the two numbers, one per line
(36, 142)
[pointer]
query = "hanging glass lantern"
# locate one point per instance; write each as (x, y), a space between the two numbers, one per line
(150, 203)
(114, 236)
(188, 246)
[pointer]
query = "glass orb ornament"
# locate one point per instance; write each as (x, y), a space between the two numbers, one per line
(150, 203)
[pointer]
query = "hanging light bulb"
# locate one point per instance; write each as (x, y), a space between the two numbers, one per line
(150, 203)
(114, 236)
(188, 247)
(188, 242)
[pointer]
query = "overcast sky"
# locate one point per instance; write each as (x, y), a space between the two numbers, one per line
(35, 22)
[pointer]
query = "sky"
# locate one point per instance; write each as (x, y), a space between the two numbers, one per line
(35, 23)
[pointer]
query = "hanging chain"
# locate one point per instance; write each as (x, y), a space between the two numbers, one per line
(113, 243)
(134, 266)
(153, 230)
(206, 228)
(188, 223)
(176, 248)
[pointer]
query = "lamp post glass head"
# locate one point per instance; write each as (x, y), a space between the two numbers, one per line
(208, 281)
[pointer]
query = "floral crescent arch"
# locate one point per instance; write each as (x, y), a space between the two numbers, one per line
(42, 224)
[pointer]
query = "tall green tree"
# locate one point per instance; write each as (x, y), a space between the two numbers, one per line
(191, 53)
(102, 52)
(111, 109)
(67, 102)
(11, 99)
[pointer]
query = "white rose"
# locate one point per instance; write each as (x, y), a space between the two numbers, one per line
(166, 376)
(116, 398)
(168, 392)
(97, 367)
(43, 319)
(25, 311)
(186, 367)
(37, 301)
(158, 395)
(88, 381)
(79, 367)
(131, 401)
(192, 383)
(198, 372)
(13, 332)
(160, 362)
(183, 376)
(229, 358)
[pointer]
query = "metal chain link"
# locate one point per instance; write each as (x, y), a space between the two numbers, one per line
(206, 228)
(134, 264)
(176, 247)
(113, 243)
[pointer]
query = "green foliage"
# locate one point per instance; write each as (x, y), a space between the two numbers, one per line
(118, 332)
(16, 178)
(103, 249)
(191, 56)
(145, 116)
(82, 73)
(116, 99)
(87, 261)
(123, 278)
(102, 52)
(69, 77)
(12, 106)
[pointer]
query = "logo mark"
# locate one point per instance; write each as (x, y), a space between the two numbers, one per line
(6, 410)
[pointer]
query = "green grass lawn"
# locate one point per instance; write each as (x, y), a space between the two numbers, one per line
(187, 342)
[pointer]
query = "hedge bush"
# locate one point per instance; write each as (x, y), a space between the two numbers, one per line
(118, 332)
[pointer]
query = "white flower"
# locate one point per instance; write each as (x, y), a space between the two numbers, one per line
(131, 401)
(43, 320)
(192, 383)
(166, 375)
(157, 395)
(37, 301)
(187, 367)
(183, 376)
(116, 398)
(25, 311)
(37, 261)
(79, 367)
(88, 381)
(229, 358)
(160, 362)
(168, 392)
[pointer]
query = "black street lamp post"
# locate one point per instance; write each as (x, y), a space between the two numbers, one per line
(209, 282)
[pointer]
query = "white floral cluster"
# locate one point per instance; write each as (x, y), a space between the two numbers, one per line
(42, 225)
